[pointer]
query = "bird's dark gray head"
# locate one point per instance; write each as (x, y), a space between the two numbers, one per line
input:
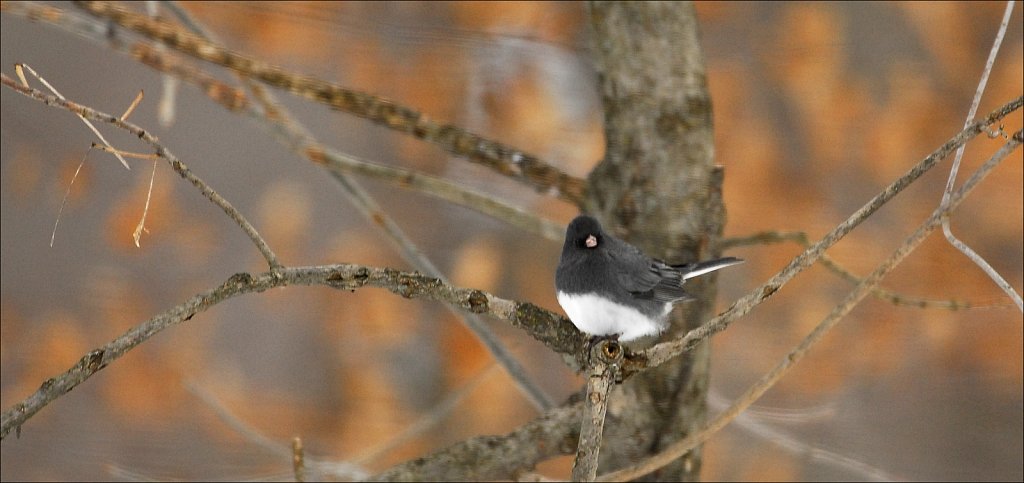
(584, 233)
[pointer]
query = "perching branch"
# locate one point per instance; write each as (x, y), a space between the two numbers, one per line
(553, 330)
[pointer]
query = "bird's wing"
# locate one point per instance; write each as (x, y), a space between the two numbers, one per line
(644, 277)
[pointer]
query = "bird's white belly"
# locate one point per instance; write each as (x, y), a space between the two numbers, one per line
(599, 316)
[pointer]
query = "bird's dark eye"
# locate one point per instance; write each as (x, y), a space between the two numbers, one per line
(590, 242)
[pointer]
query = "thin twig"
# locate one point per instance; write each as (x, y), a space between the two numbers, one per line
(236, 424)
(664, 351)
(439, 188)
(751, 422)
(176, 164)
(133, 105)
(18, 67)
(681, 447)
(946, 230)
(60, 211)
(502, 158)
(428, 421)
(890, 296)
(141, 226)
(342, 469)
(764, 238)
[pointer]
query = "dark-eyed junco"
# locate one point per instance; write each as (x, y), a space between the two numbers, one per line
(608, 287)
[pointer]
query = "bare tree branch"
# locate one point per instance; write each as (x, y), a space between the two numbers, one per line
(340, 162)
(553, 330)
(237, 101)
(828, 262)
(161, 151)
(946, 230)
(502, 158)
(503, 457)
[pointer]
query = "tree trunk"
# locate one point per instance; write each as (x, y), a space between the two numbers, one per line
(658, 188)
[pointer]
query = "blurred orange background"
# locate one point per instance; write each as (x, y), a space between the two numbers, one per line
(817, 106)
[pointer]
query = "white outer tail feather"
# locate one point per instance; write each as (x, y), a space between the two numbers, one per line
(711, 268)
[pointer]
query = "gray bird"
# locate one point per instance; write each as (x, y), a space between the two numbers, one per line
(608, 287)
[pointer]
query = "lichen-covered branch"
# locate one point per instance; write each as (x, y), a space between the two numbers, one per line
(502, 158)
(488, 458)
(554, 331)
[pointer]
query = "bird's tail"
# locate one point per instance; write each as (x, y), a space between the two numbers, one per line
(697, 269)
